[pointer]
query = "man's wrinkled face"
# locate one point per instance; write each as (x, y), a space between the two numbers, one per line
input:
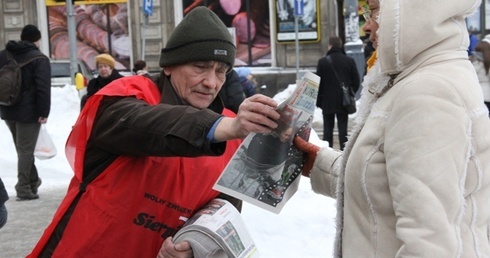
(198, 83)
(104, 70)
(371, 26)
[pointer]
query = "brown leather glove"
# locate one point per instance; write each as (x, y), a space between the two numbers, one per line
(310, 150)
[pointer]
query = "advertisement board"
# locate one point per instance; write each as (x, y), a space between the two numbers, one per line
(308, 22)
(63, 2)
(100, 28)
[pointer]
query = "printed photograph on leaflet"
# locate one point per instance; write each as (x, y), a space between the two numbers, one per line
(266, 168)
(218, 228)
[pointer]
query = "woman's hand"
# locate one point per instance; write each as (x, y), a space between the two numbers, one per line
(310, 150)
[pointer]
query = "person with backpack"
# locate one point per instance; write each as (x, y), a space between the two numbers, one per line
(25, 117)
(146, 154)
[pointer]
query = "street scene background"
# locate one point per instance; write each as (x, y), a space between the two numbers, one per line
(304, 228)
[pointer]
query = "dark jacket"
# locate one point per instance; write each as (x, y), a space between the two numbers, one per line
(36, 84)
(232, 92)
(96, 84)
(114, 135)
(247, 86)
(3, 193)
(330, 93)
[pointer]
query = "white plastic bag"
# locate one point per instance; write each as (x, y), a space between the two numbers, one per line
(45, 148)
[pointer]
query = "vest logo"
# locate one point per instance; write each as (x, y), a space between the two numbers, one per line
(167, 204)
(220, 52)
(148, 221)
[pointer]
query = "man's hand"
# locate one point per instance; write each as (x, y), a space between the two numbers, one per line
(178, 250)
(311, 150)
(256, 114)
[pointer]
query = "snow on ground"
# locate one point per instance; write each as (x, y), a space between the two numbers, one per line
(304, 228)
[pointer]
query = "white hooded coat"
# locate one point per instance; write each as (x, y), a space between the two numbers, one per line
(414, 178)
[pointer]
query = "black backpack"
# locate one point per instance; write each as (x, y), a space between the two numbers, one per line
(11, 80)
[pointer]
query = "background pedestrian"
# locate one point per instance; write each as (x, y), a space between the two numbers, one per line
(330, 92)
(24, 118)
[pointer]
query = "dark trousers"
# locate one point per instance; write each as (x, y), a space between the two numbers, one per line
(328, 125)
(488, 105)
(25, 138)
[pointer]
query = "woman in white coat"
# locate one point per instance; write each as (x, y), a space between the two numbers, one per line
(414, 177)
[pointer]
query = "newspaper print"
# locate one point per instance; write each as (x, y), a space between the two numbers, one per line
(266, 168)
(218, 226)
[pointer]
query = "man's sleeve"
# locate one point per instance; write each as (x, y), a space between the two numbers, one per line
(42, 79)
(128, 126)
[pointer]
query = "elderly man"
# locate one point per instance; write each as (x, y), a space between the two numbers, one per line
(146, 155)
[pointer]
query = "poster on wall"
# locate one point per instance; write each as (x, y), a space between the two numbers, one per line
(253, 42)
(63, 2)
(308, 23)
(362, 3)
(102, 27)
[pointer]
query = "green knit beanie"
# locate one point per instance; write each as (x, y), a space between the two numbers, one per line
(200, 36)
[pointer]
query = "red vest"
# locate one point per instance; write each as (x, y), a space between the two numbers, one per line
(136, 202)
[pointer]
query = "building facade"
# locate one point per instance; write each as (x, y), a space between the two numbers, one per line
(266, 37)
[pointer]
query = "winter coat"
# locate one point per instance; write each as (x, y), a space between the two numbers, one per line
(484, 79)
(414, 178)
(330, 93)
(247, 86)
(139, 175)
(232, 93)
(98, 83)
(36, 84)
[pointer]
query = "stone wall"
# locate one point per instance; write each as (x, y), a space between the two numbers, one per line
(15, 14)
